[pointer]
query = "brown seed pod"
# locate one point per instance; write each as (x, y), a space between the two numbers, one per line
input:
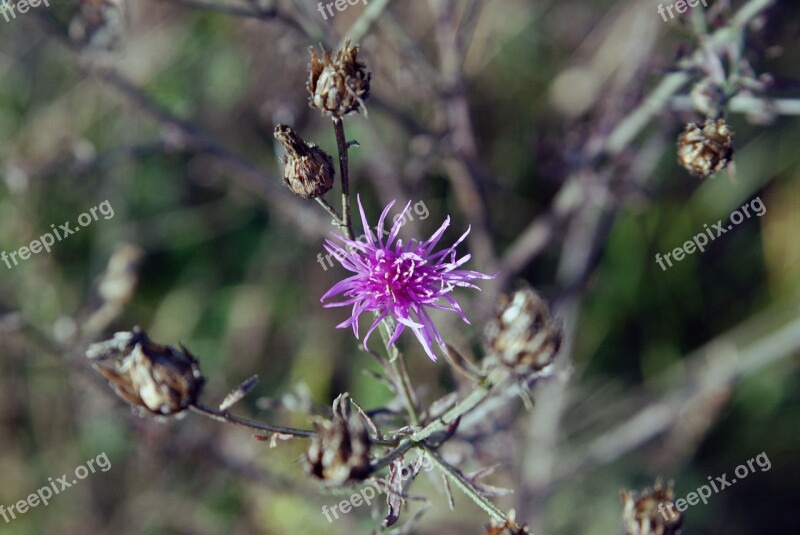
(522, 336)
(159, 379)
(308, 170)
(339, 452)
(339, 84)
(704, 149)
(651, 512)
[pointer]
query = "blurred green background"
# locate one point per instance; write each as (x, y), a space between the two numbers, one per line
(230, 260)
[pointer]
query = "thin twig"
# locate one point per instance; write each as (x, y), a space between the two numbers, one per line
(227, 417)
(228, 9)
(362, 25)
(746, 104)
(464, 167)
(264, 14)
(337, 219)
(341, 143)
(389, 458)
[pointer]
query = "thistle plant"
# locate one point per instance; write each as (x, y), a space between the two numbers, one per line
(475, 368)
(397, 281)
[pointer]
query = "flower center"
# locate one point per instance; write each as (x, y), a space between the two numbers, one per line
(400, 279)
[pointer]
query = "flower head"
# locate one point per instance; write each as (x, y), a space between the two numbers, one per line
(401, 280)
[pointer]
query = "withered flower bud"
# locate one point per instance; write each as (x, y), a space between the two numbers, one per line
(522, 336)
(308, 170)
(159, 379)
(339, 452)
(704, 149)
(338, 85)
(651, 512)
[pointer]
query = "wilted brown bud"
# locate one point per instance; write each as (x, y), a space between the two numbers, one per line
(339, 452)
(159, 379)
(509, 527)
(704, 149)
(99, 24)
(308, 169)
(338, 85)
(651, 512)
(522, 336)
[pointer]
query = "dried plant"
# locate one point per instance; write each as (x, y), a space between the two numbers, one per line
(466, 421)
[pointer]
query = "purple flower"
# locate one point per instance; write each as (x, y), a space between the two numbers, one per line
(399, 280)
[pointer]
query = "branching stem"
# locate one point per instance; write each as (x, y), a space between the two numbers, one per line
(466, 487)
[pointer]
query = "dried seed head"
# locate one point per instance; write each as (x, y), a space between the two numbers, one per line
(704, 149)
(650, 512)
(339, 452)
(338, 85)
(308, 170)
(159, 379)
(522, 336)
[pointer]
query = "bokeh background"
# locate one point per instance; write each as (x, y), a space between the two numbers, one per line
(491, 112)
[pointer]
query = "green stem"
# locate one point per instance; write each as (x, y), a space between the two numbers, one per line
(470, 402)
(337, 220)
(392, 455)
(466, 486)
(398, 363)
